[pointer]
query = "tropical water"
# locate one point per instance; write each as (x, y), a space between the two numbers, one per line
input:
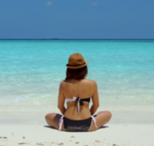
(31, 71)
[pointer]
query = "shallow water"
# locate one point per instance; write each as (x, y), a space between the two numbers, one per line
(31, 70)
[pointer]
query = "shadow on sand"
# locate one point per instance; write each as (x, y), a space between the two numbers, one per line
(47, 126)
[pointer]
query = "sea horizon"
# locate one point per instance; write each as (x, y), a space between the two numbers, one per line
(112, 39)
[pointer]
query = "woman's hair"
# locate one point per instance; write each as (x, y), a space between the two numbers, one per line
(77, 74)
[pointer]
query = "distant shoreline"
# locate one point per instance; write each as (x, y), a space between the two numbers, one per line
(59, 39)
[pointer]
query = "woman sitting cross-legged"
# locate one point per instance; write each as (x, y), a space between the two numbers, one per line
(77, 92)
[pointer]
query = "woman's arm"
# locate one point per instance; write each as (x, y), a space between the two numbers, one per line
(61, 99)
(95, 100)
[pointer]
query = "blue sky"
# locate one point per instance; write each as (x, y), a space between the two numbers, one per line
(77, 19)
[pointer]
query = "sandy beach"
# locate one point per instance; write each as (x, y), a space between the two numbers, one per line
(30, 128)
(30, 74)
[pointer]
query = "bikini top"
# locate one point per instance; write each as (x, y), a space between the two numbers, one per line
(80, 101)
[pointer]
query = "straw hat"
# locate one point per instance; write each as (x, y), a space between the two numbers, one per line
(76, 61)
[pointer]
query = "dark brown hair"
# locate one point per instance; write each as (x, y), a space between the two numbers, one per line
(77, 74)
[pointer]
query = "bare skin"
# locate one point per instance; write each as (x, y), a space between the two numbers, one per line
(83, 89)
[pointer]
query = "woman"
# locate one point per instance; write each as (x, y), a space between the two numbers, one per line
(77, 92)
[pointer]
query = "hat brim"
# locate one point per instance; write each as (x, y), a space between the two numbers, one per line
(78, 66)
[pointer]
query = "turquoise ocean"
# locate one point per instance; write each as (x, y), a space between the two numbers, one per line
(31, 71)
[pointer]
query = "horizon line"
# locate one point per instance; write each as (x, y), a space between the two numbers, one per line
(66, 39)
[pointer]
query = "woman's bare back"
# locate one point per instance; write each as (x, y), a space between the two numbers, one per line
(83, 89)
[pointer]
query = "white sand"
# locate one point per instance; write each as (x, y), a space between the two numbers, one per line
(124, 129)
(128, 135)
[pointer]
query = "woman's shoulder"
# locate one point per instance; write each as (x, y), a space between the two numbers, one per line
(90, 82)
(64, 84)
(83, 81)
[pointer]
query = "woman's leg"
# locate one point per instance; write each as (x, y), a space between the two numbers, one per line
(53, 120)
(101, 119)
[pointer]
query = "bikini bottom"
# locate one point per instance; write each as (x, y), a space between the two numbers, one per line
(76, 125)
